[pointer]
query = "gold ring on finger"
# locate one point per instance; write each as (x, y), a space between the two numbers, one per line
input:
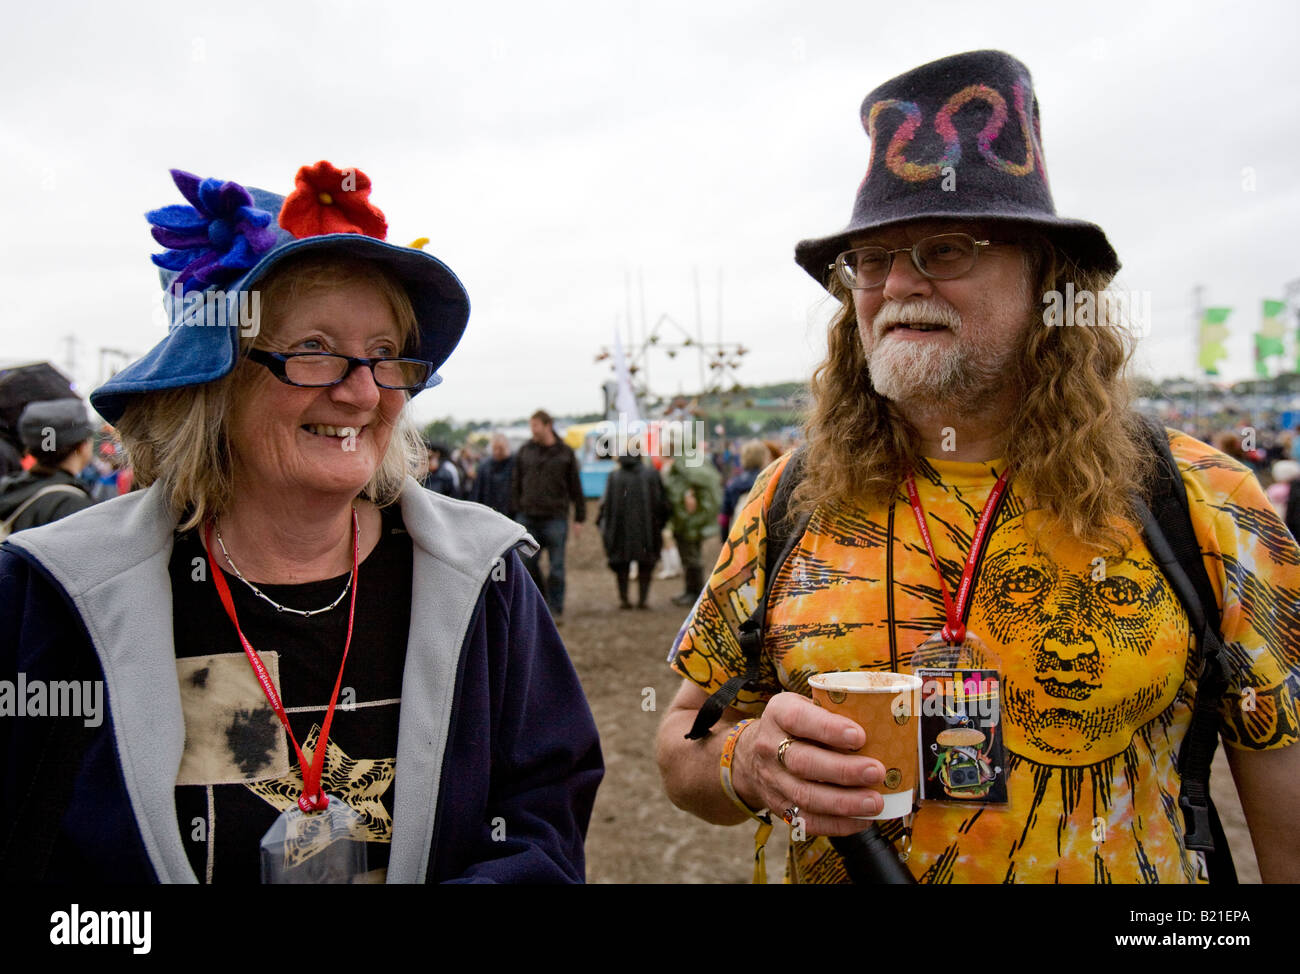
(780, 752)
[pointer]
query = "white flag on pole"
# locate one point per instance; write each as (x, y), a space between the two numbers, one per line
(625, 399)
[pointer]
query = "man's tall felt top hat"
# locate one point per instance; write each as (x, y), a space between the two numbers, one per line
(225, 242)
(958, 138)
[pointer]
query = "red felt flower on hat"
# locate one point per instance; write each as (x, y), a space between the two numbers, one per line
(330, 200)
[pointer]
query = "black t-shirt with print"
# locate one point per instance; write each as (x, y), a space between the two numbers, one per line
(239, 770)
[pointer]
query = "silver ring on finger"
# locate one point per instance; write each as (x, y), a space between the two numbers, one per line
(790, 814)
(780, 752)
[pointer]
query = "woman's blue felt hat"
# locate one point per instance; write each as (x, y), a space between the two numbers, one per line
(230, 237)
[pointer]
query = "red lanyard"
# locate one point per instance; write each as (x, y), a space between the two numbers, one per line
(312, 799)
(954, 631)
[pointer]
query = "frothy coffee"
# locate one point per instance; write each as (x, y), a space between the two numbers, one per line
(865, 681)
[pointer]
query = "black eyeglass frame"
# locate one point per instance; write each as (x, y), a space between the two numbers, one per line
(277, 363)
(841, 268)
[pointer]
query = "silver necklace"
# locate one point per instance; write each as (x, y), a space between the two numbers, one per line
(305, 613)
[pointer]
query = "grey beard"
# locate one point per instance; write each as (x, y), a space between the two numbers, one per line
(905, 372)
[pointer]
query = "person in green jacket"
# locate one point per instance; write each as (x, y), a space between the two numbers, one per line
(695, 492)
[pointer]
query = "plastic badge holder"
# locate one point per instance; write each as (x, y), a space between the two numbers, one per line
(963, 757)
(315, 847)
(935, 652)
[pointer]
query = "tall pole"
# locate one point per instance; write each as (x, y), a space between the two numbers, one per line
(719, 305)
(645, 330)
(699, 327)
(1196, 358)
(1291, 295)
(627, 300)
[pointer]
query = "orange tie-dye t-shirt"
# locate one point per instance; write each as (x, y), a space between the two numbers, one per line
(1094, 659)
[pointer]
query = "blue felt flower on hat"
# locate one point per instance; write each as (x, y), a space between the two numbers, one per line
(216, 239)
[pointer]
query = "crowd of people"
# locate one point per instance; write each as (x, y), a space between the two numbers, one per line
(974, 493)
(482, 471)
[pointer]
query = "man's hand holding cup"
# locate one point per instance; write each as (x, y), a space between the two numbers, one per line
(816, 774)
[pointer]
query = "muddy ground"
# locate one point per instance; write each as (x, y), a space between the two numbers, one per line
(636, 834)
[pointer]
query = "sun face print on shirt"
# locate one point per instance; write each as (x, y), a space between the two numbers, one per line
(1093, 648)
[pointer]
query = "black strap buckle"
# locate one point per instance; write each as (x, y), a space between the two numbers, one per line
(1196, 817)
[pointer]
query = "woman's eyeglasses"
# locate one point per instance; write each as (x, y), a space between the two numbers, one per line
(318, 369)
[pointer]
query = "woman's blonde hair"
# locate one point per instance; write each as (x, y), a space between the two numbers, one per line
(180, 437)
(1076, 450)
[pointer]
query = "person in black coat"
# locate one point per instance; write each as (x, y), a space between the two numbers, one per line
(58, 435)
(492, 482)
(631, 521)
(443, 476)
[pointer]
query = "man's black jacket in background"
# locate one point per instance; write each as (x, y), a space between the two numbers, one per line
(546, 480)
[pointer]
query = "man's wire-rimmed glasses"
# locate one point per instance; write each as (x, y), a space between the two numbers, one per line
(941, 257)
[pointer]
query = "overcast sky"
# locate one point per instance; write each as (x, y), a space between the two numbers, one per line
(555, 153)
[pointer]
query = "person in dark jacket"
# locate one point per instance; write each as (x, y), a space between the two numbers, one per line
(443, 476)
(632, 518)
(546, 480)
(492, 481)
(58, 434)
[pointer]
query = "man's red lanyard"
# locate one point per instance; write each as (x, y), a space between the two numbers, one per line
(954, 631)
(312, 799)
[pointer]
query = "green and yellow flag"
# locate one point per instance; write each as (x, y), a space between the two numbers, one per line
(1214, 331)
(1269, 340)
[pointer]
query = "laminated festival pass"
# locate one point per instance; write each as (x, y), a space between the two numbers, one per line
(962, 756)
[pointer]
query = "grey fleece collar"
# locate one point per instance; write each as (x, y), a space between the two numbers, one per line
(111, 560)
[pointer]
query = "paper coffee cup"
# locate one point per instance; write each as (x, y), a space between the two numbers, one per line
(886, 706)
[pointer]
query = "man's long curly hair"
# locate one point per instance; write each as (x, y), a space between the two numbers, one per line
(1075, 449)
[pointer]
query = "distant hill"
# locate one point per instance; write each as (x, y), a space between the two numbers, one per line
(742, 411)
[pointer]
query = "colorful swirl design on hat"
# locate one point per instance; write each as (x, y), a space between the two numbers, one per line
(944, 125)
(911, 171)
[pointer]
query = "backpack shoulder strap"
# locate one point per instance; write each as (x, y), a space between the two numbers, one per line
(7, 526)
(1167, 525)
(1168, 500)
(782, 533)
(782, 536)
